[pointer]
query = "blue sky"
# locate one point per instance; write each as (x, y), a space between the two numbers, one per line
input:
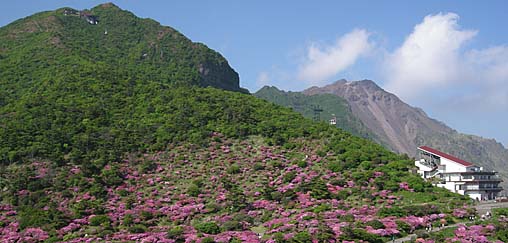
(448, 57)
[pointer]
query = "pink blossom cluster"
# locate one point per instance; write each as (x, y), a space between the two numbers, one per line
(160, 196)
(474, 233)
(12, 233)
(405, 186)
(460, 212)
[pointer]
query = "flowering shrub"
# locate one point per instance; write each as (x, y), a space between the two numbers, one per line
(193, 194)
(474, 233)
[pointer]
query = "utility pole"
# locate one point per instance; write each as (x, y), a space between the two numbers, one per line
(317, 113)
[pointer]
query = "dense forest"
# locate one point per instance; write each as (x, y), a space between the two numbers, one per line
(72, 91)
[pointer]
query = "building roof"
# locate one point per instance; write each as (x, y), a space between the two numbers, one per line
(445, 155)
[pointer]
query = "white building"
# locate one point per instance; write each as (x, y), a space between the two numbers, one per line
(457, 175)
(333, 121)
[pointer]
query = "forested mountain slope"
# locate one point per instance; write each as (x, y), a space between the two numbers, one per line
(71, 90)
(53, 45)
(331, 105)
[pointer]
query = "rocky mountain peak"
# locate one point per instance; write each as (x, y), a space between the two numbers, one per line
(355, 91)
(403, 128)
(394, 121)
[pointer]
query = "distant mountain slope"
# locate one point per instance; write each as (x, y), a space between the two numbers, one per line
(331, 105)
(404, 127)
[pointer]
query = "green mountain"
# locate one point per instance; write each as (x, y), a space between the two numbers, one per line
(62, 43)
(70, 89)
(102, 143)
(331, 105)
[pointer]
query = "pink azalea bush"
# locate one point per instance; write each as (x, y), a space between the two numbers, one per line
(146, 196)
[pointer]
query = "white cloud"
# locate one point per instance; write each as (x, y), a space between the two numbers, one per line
(490, 67)
(432, 64)
(435, 70)
(323, 62)
(263, 79)
(429, 58)
(492, 63)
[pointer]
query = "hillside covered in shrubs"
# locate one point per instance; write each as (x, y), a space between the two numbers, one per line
(229, 191)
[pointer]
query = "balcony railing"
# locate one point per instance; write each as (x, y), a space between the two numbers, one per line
(433, 173)
(491, 188)
(483, 188)
(474, 178)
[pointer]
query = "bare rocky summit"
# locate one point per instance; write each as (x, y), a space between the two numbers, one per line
(403, 128)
